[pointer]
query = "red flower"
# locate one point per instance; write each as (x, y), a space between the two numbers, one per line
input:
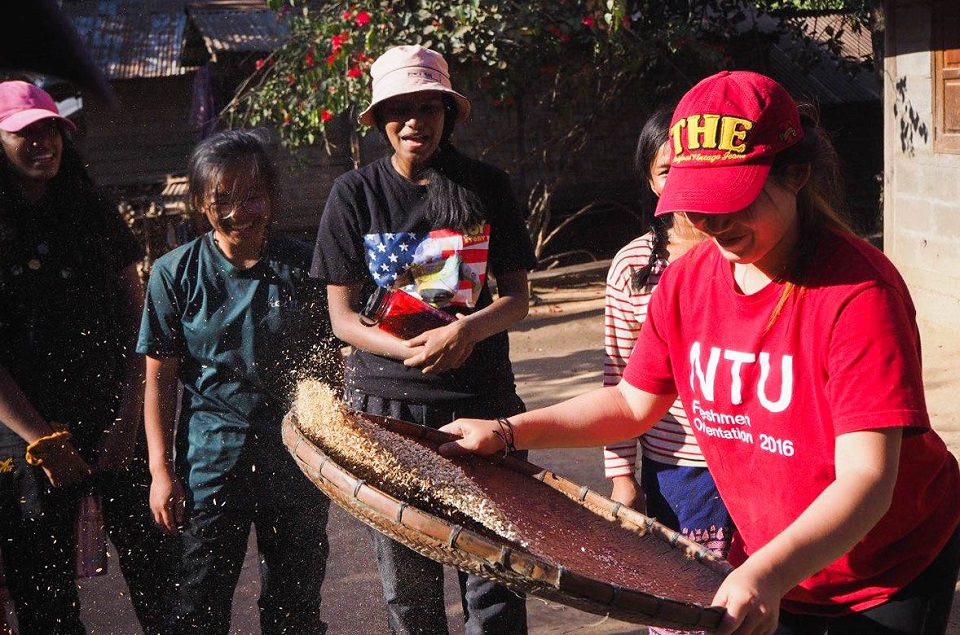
(291, 79)
(331, 59)
(260, 63)
(347, 15)
(354, 72)
(325, 115)
(588, 21)
(564, 37)
(308, 59)
(363, 18)
(338, 40)
(625, 21)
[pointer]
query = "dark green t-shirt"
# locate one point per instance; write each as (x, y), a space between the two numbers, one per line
(242, 337)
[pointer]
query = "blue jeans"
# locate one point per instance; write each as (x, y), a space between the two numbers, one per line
(413, 584)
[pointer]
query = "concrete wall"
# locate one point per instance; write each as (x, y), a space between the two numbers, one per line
(921, 213)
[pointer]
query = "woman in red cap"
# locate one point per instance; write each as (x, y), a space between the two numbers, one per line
(70, 382)
(794, 348)
(429, 221)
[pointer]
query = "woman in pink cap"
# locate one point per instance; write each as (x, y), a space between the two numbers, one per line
(794, 349)
(70, 383)
(428, 221)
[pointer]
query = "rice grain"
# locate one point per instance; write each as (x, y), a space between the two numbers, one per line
(399, 466)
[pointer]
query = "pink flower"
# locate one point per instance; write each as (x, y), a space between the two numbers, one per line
(325, 115)
(363, 18)
(588, 21)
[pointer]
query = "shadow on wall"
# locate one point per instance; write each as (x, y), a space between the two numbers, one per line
(911, 126)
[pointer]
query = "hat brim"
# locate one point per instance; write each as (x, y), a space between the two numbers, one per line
(713, 189)
(20, 120)
(464, 107)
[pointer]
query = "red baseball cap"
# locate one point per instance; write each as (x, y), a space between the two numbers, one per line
(22, 104)
(724, 135)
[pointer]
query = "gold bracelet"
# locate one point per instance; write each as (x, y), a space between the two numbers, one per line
(35, 450)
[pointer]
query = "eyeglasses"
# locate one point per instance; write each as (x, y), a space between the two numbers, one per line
(254, 205)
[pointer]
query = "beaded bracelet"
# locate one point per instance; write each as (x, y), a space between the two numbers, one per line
(506, 435)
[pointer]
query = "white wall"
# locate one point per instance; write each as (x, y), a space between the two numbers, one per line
(921, 216)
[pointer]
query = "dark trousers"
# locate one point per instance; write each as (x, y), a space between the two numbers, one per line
(413, 584)
(38, 542)
(293, 549)
(920, 608)
(147, 557)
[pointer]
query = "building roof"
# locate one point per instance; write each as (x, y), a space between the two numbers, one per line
(236, 29)
(130, 39)
(824, 80)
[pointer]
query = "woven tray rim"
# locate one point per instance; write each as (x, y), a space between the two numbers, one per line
(457, 546)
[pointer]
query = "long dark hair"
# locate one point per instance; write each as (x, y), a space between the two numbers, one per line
(653, 135)
(71, 181)
(452, 200)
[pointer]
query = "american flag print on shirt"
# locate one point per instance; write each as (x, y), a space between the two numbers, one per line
(443, 267)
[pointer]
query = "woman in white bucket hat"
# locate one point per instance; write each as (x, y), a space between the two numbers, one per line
(431, 222)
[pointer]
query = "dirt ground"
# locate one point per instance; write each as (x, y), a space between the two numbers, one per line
(557, 354)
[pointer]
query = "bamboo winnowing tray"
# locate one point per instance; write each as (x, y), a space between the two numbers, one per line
(580, 549)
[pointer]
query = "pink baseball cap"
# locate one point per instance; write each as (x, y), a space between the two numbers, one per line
(22, 104)
(411, 69)
(724, 135)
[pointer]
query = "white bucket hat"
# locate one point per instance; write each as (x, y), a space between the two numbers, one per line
(411, 69)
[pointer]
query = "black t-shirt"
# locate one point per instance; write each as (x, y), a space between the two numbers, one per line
(374, 216)
(60, 310)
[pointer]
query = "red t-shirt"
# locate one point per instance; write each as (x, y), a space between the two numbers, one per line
(766, 405)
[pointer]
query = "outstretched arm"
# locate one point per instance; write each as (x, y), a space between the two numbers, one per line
(592, 419)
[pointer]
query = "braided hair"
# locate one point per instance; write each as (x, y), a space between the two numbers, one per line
(654, 134)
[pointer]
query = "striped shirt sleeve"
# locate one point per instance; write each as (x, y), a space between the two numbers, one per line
(671, 440)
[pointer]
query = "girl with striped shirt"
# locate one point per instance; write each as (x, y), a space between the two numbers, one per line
(675, 486)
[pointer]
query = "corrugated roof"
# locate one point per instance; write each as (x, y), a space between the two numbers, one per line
(132, 39)
(236, 31)
(826, 82)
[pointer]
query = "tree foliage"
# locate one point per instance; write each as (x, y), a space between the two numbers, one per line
(556, 65)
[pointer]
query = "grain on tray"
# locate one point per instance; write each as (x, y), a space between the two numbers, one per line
(401, 467)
